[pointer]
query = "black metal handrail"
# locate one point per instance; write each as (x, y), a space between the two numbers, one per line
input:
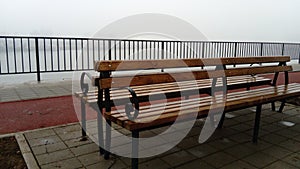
(36, 54)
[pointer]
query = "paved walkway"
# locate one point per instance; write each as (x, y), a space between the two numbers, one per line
(36, 90)
(230, 147)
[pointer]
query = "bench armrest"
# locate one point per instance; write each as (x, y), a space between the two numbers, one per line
(132, 109)
(85, 86)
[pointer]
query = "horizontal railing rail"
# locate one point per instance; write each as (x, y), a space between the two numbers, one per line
(27, 54)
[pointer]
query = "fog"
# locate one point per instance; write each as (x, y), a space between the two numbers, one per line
(255, 20)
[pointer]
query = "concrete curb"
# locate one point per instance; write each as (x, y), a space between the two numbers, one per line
(26, 152)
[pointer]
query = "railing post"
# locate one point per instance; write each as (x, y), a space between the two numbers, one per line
(109, 49)
(261, 49)
(235, 49)
(299, 57)
(162, 49)
(282, 52)
(38, 70)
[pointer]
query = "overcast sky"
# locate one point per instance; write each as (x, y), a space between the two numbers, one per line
(242, 20)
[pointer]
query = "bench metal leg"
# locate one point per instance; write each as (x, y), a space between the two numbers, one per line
(100, 133)
(107, 140)
(83, 121)
(135, 150)
(282, 106)
(273, 106)
(220, 125)
(256, 124)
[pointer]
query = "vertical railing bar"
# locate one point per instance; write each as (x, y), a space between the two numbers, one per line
(120, 50)
(82, 61)
(235, 49)
(103, 44)
(45, 56)
(37, 59)
(88, 53)
(129, 51)
(51, 48)
(170, 50)
(76, 53)
(99, 50)
(22, 54)
(124, 42)
(142, 50)
(166, 49)
(203, 50)
(70, 47)
(299, 54)
(7, 58)
(150, 51)
(15, 57)
(109, 50)
(93, 50)
(146, 49)
(29, 56)
(57, 48)
(64, 48)
(115, 48)
(183, 50)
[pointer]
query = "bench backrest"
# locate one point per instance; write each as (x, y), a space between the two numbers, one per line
(106, 68)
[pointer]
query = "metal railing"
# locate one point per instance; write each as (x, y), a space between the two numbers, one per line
(25, 54)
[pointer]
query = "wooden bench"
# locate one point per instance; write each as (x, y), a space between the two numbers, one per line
(184, 85)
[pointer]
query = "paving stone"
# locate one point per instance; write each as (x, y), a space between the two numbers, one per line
(173, 136)
(195, 164)
(77, 142)
(219, 159)
(241, 138)
(91, 158)
(273, 138)
(272, 127)
(85, 149)
(43, 149)
(291, 112)
(238, 165)
(291, 145)
(70, 135)
(222, 143)
(188, 143)
(68, 129)
(293, 159)
(202, 150)
(39, 134)
(54, 157)
(261, 145)
(44, 140)
(241, 127)
(155, 163)
(280, 165)
(147, 143)
(72, 163)
(239, 151)
(259, 159)
(178, 158)
(112, 164)
(277, 151)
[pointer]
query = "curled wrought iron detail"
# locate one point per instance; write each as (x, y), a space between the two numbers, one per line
(85, 86)
(132, 109)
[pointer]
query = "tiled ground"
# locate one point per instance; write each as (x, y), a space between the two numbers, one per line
(27, 91)
(229, 148)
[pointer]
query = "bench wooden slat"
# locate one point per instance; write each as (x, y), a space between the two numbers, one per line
(181, 63)
(237, 101)
(138, 80)
(173, 87)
